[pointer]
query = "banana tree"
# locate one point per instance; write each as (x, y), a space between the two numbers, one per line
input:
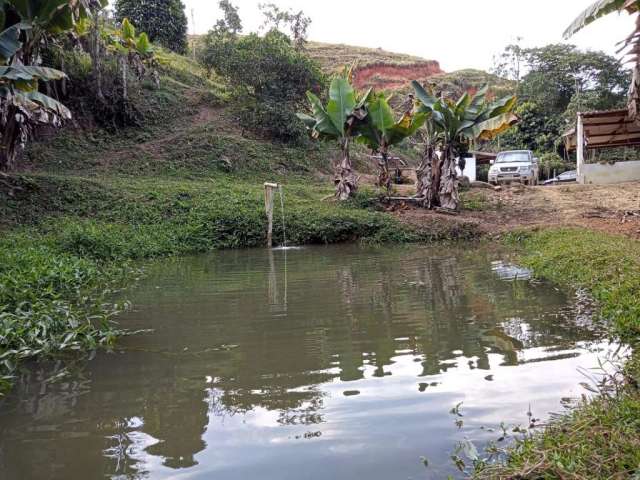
(45, 18)
(132, 50)
(452, 127)
(24, 26)
(381, 131)
(338, 121)
(631, 43)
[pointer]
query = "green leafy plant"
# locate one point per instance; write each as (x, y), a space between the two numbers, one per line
(164, 21)
(381, 131)
(339, 120)
(452, 127)
(22, 106)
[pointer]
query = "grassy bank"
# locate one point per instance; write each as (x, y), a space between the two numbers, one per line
(68, 241)
(600, 439)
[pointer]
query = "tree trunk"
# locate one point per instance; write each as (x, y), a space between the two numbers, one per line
(426, 188)
(124, 65)
(384, 178)
(448, 193)
(96, 60)
(634, 95)
(12, 140)
(345, 180)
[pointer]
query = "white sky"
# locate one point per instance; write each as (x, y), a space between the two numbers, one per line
(459, 34)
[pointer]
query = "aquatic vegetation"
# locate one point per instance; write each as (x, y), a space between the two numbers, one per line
(53, 302)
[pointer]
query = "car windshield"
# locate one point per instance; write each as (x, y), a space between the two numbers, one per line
(510, 157)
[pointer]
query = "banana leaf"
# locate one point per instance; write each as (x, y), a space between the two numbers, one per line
(9, 43)
(324, 125)
(48, 104)
(28, 73)
(488, 129)
(381, 116)
(342, 101)
(592, 13)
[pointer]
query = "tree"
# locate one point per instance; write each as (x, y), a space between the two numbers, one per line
(297, 22)
(537, 130)
(220, 42)
(164, 21)
(631, 43)
(24, 28)
(510, 63)
(381, 131)
(271, 79)
(557, 81)
(339, 121)
(557, 72)
(451, 128)
(231, 21)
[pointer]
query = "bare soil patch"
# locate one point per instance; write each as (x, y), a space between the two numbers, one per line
(608, 208)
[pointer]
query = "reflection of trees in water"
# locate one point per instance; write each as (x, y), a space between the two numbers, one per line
(342, 313)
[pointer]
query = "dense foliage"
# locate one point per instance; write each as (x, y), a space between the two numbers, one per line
(164, 21)
(554, 83)
(24, 29)
(452, 127)
(269, 75)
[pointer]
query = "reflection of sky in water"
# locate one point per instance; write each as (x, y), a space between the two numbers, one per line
(346, 370)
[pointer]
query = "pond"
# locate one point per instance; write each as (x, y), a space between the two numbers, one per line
(321, 363)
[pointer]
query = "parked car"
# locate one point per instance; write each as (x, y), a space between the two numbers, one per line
(566, 177)
(515, 166)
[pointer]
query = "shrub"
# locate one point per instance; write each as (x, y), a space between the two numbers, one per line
(270, 76)
(164, 21)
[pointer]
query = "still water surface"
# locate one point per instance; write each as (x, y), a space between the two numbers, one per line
(321, 363)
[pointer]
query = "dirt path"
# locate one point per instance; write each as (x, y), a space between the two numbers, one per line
(608, 208)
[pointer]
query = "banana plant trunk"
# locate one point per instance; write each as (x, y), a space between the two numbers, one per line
(448, 192)
(426, 188)
(634, 94)
(345, 180)
(11, 139)
(384, 177)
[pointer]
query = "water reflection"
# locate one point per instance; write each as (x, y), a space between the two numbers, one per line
(338, 363)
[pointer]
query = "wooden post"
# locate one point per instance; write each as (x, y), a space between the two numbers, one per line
(269, 188)
(580, 148)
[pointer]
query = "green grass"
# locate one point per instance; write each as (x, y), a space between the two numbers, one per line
(601, 438)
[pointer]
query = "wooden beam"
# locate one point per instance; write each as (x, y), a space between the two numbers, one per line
(580, 148)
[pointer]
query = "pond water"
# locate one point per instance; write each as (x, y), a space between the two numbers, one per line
(321, 363)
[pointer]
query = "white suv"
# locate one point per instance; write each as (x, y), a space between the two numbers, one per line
(515, 166)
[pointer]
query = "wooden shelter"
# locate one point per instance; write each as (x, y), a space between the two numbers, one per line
(599, 130)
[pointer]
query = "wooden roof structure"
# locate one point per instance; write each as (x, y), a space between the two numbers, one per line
(483, 158)
(606, 129)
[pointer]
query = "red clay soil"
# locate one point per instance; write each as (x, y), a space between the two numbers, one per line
(384, 75)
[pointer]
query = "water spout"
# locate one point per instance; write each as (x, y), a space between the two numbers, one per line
(284, 225)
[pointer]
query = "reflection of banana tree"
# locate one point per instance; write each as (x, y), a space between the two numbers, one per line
(337, 121)
(452, 127)
(632, 42)
(380, 131)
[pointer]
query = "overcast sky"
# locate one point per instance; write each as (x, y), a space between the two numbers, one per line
(459, 34)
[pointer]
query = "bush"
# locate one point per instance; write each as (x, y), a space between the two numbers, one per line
(270, 77)
(164, 21)
(114, 111)
(273, 120)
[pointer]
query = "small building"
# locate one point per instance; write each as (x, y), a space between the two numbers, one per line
(600, 130)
